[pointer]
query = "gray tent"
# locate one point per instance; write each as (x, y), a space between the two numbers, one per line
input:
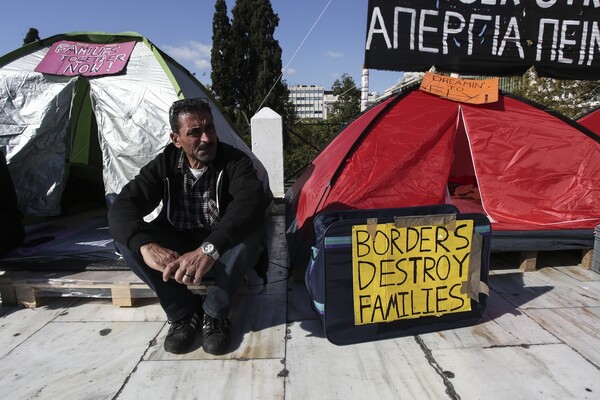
(110, 124)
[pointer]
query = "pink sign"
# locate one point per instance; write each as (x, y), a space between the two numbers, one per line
(86, 59)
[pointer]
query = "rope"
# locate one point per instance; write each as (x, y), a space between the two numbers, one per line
(294, 55)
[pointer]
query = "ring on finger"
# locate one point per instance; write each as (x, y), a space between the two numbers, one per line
(189, 276)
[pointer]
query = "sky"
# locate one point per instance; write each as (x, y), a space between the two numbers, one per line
(320, 39)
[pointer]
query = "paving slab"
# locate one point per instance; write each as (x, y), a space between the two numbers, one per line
(552, 371)
(277, 244)
(389, 369)
(502, 325)
(75, 360)
(579, 273)
(299, 302)
(583, 284)
(91, 310)
(537, 290)
(19, 324)
(209, 379)
(579, 328)
(258, 332)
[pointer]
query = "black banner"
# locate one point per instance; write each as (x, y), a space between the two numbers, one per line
(561, 38)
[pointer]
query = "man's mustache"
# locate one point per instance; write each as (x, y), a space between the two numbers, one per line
(204, 146)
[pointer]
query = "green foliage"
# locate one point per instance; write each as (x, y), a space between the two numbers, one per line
(305, 139)
(568, 97)
(302, 142)
(221, 58)
(31, 36)
(246, 62)
(246, 76)
(347, 106)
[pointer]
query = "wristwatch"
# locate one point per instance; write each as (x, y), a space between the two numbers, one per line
(210, 250)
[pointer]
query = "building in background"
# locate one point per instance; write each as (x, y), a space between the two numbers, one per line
(308, 101)
(313, 102)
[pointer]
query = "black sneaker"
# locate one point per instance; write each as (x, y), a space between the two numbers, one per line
(182, 333)
(216, 335)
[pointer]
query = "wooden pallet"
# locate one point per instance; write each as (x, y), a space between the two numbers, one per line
(528, 260)
(24, 288)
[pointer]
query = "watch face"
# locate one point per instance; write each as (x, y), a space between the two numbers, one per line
(209, 248)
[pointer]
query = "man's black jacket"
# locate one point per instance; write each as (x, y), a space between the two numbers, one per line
(240, 199)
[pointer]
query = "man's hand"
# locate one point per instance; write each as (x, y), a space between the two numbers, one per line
(157, 257)
(189, 268)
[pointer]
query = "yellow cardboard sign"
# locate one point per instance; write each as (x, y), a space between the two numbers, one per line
(410, 272)
(473, 91)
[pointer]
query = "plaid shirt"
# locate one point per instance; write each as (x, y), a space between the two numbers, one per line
(197, 207)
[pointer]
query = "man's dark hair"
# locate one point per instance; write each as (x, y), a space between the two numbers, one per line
(186, 106)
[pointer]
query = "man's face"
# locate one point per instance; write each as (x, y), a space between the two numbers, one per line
(197, 137)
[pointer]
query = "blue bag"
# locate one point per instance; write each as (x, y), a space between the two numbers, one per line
(329, 275)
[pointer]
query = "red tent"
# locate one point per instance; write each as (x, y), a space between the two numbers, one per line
(526, 169)
(591, 120)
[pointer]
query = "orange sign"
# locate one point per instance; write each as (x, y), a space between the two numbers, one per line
(473, 91)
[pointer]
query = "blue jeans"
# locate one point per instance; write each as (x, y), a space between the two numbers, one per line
(228, 272)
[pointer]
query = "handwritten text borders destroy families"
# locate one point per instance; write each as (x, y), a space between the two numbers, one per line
(410, 272)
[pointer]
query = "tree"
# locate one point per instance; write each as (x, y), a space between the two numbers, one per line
(568, 97)
(306, 139)
(303, 142)
(221, 59)
(31, 36)
(255, 77)
(347, 105)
